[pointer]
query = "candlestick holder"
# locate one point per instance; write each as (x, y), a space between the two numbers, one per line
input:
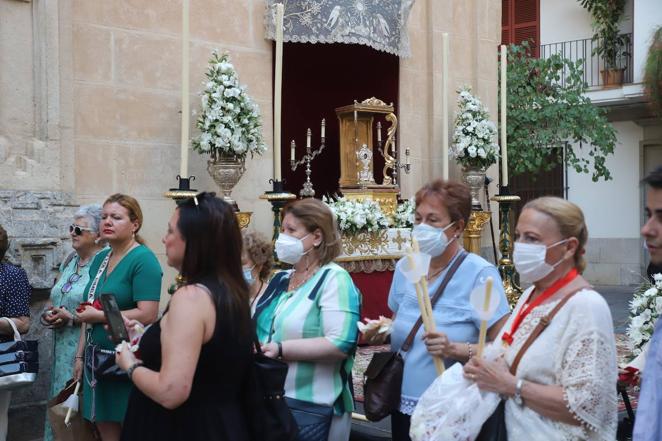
(399, 166)
(307, 191)
(506, 266)
(278, 197)
(183, 191)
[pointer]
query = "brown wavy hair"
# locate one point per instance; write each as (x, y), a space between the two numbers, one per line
(133, 207)
(455, 196)
(261, 252)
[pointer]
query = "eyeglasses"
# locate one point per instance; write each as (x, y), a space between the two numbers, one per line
(78, 230)
(75, 277)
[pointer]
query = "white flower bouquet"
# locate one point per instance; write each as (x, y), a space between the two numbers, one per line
(229, 122)
(473, 137)
(404, 215)
(645, 308)
(356, 216)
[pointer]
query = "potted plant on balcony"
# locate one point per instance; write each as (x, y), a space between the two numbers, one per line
(230, 125)
(611, 44)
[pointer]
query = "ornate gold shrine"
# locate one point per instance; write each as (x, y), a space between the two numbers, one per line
(357, 147)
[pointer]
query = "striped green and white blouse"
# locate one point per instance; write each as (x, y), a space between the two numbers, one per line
(327, 305)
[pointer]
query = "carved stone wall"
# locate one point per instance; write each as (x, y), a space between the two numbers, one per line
(37, 224)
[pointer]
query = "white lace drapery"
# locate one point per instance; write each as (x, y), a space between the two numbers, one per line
(576, 351)
(379, 24)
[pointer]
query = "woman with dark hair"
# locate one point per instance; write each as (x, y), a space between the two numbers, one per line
(195, 360)
(307, 316)
(130, 271)
(15, 292)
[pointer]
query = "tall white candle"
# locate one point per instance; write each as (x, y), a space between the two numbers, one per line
(183, 164)
(292, 152)
(278, 89)
(504, 87)
(444, 106)
(309, 134)
(323, 128)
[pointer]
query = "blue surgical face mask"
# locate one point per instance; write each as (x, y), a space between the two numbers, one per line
(431, 240)
(248, 275)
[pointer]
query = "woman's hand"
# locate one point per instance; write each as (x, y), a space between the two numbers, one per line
(58, 317)
(270, 349)
(91, 315)
(492, 376)
(437, 344)
(124, 357)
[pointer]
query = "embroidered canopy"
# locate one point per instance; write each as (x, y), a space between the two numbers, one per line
(380, 24)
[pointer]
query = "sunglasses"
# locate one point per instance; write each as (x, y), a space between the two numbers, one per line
(78, 230)
(75, 277)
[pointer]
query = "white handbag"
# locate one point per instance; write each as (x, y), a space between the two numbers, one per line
(19, 361)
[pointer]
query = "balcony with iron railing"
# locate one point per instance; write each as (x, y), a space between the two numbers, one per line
(596, 69)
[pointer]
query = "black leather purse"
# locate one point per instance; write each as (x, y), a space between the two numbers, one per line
(271, 413)
(100, 365)
(314, 420)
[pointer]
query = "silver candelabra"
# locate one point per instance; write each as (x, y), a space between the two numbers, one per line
(307, 191)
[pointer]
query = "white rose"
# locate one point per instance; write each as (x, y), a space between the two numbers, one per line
(651, 292)
(472, 151)
(481, 153)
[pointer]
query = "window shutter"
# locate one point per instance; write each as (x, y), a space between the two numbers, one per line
(520, 21)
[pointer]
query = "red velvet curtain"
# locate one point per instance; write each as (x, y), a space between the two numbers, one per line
(317, 78)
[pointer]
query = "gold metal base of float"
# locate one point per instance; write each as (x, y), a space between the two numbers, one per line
(474, 229)
(243, 218)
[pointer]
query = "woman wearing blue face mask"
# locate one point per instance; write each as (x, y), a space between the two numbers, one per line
(257, 261)
(442, 211)
(563, 384)
(307, 317)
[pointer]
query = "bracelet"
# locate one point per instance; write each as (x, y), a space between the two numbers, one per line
(78, 357)
(129, 372)
(280, 350)
(471, 353)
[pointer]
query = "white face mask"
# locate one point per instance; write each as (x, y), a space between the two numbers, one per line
(529, 259)
(431, 240)
(289, 249)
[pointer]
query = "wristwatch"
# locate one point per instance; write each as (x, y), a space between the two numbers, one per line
(280, 350)
(517, 398)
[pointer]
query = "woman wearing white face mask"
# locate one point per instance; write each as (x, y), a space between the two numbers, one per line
(563, 382)
(307, 316)
(442, 211)
(257, 261)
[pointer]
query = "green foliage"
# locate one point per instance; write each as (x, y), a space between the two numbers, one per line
(653, 71)
(606, 15)
(543, 114)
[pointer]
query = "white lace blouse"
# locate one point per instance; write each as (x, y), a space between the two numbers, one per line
(577, 351)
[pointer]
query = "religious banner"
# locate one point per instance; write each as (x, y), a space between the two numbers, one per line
(375, 23)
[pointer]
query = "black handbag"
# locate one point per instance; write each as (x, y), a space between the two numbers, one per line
(494, 428)
(19, 361)
(100, 365)
(271, 414)
(313, 420)
(382, 381)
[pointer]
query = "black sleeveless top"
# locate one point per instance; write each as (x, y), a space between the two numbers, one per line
(216, 408)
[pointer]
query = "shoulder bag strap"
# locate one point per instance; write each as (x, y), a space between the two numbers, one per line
(433, 301)
(542, 325)
(93, 287)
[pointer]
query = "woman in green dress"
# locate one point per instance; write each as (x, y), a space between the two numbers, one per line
(130, 271)
(65, 297)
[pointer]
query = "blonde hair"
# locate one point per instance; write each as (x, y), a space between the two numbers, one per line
(133, 207)
(570, 220)
(314, 214)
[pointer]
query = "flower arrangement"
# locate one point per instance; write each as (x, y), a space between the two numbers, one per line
(229, 122)
(473, 138)
(356, 216)
(404, 215)
(645, 308)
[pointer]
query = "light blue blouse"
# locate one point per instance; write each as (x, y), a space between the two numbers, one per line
(453, 316)
(647, 425)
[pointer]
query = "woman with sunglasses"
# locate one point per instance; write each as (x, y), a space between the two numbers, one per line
(60, 314)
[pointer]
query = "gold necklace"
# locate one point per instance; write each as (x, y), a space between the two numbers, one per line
(294, 286)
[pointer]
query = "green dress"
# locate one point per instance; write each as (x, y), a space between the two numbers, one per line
(137, 277)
